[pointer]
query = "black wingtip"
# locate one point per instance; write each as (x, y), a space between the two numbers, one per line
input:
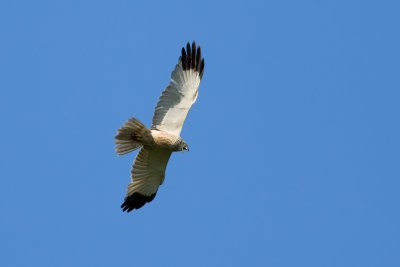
(201, 71)
(191, 58)
(198, 58)
(136, 201)
(184, 59)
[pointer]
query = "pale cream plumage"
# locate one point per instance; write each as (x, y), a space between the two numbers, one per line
(148, 170)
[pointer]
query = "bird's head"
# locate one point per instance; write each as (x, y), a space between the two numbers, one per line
(184, 146)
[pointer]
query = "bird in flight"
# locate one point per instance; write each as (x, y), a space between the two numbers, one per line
(163, 138)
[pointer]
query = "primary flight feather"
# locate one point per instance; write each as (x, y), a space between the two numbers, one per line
(163, 138)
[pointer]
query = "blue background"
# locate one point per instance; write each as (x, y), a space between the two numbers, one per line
(294, 139)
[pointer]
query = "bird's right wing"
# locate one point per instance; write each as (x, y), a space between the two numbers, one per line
(147, 175)
(177, 99)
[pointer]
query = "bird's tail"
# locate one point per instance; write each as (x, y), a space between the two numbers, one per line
(132, 135)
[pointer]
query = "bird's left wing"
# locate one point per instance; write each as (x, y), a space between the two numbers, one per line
(176, 100)
(147, 175)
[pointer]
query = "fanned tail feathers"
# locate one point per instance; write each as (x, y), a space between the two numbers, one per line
(132, 135)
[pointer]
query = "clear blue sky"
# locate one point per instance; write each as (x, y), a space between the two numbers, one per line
(294, 139)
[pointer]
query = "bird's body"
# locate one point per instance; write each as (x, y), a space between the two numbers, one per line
(166, 140)
(163, 138)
